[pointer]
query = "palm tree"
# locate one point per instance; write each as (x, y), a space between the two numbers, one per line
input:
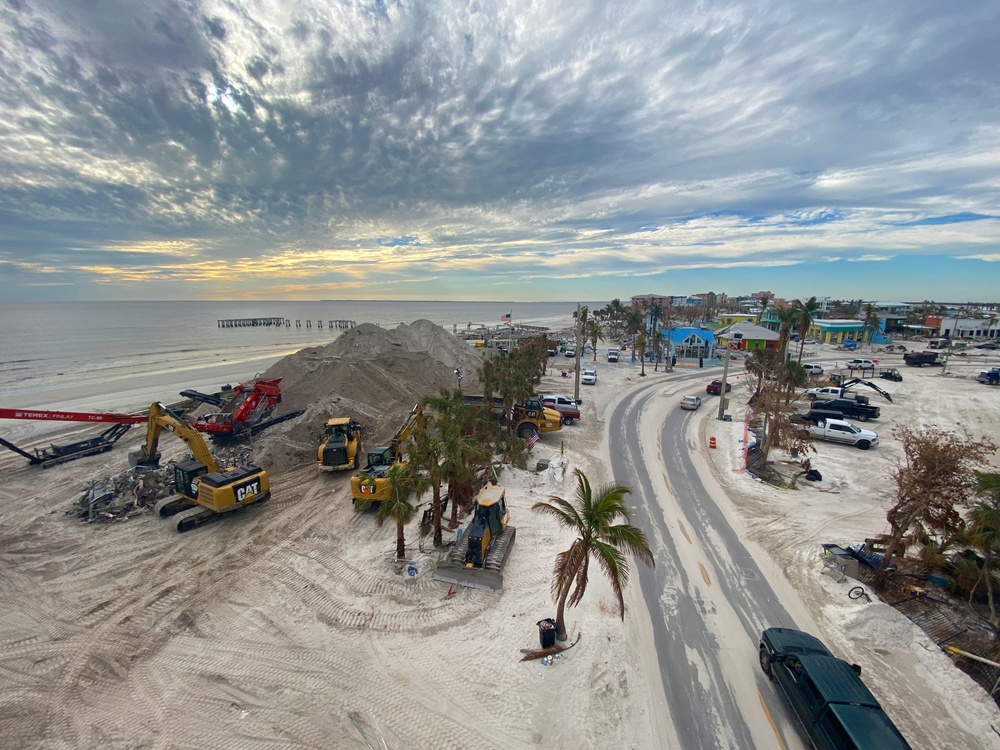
(983, 532)
(640, 341)
(404, 481)
(633, 325)
(804, 319)
(592, 517)
(655, 313)
(617, 311)
(786, 319)
(763, 309)
(667, 319)
(871, 320)
(594, 333)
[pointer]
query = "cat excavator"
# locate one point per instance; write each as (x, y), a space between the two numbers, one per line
(370, 484)
(205, 493)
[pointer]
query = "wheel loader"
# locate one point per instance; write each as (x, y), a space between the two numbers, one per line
(340, 447)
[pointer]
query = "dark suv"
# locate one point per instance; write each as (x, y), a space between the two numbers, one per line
(715, 387)
(826, 694)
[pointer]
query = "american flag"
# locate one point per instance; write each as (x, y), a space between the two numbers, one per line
(505, 319)
(532, 439)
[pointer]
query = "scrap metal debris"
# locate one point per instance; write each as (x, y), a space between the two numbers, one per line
(118, 498)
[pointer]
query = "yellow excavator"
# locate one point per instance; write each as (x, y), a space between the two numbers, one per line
(205, 493)
(371, 484)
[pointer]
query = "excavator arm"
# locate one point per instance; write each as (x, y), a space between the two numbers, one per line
(161, 418)
(414, 421)
(858, 381)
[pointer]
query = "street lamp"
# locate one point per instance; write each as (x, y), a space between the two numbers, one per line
(723, 401)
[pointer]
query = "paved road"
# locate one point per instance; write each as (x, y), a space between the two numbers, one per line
(707, 598)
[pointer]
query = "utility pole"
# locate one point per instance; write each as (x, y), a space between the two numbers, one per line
(579, 340)
(723, 399)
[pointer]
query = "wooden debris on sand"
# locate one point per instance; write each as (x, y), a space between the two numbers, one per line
(531, 654)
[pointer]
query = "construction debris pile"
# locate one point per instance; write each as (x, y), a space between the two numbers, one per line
(118, 498)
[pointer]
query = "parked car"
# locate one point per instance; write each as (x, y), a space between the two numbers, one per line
(567, 407)
(691, 402)
(826, 694)
(613, 355)
(988, 345)
(715, 387)
(588, 377)
(810, 341)
(812, 369)
(571, 352)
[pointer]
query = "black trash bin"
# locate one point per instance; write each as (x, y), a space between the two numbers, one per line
(547, 632)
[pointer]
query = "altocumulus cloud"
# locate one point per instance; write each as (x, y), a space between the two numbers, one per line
(394, 149)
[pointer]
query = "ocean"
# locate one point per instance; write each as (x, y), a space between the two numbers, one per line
(121, 356)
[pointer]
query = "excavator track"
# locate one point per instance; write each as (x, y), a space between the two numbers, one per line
(197, 516)
(171, 506)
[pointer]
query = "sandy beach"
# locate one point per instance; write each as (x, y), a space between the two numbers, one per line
(291, 625)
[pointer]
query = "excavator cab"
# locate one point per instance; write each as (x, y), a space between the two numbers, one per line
(185, 474)
(489, 521)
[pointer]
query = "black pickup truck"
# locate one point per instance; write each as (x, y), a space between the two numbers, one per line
(851, 409)
(834, 707)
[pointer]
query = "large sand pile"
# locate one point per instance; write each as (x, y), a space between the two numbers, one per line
(370, 373)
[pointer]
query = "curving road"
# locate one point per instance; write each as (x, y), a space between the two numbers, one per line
(707, 598)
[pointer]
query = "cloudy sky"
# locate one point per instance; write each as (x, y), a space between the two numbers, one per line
(523, 150)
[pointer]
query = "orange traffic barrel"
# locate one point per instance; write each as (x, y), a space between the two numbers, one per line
(711, 442)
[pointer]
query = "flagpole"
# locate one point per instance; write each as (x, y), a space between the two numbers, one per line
(510, 329)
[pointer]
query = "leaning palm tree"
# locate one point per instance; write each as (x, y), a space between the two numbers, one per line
(804, 320)
(404, 481)
(592, 517)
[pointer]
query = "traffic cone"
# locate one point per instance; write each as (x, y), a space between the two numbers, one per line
(711, 442)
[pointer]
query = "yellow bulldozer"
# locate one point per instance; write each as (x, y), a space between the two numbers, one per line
(488, 526)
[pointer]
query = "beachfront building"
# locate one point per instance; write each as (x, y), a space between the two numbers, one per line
(692, 344)
(836, 331)
(964, 328)
(754, 336)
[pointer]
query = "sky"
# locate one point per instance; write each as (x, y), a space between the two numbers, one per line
(524, 150)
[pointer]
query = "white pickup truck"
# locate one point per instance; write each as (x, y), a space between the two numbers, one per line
(839, 431)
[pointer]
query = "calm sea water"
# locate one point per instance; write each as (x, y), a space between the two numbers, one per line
(103, 355)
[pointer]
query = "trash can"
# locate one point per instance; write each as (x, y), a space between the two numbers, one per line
(547, 632)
